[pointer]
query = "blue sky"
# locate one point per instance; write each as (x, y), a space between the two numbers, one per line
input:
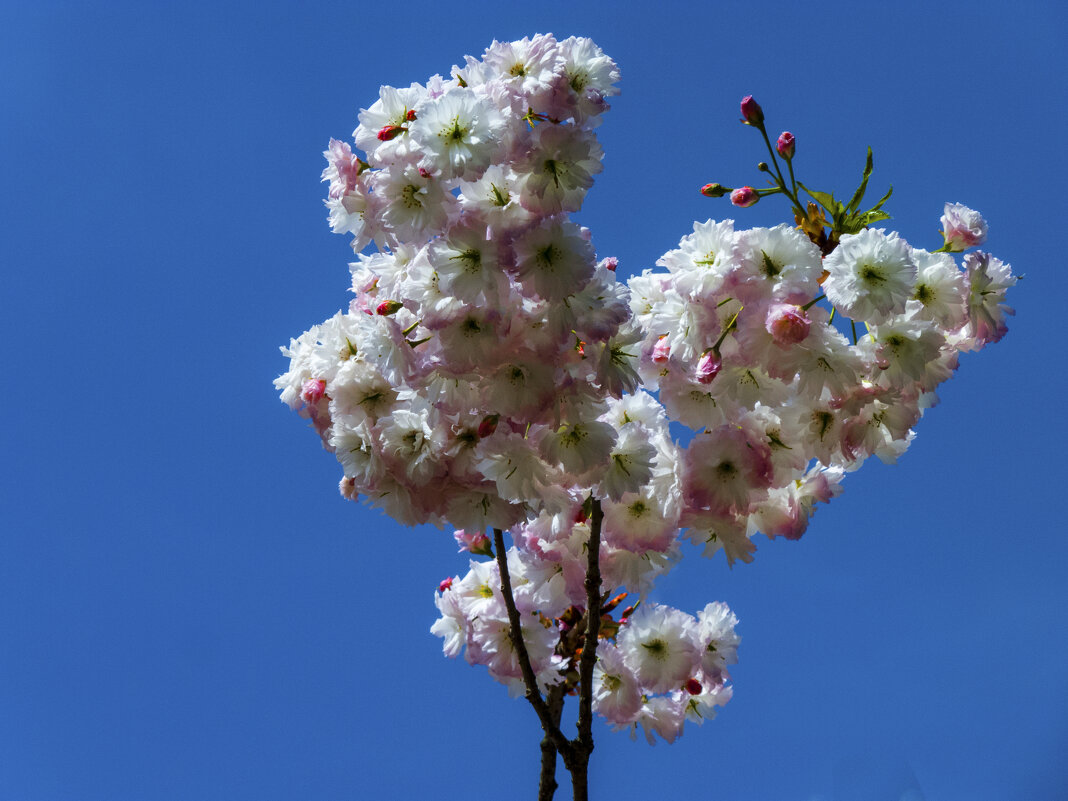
(189, 611)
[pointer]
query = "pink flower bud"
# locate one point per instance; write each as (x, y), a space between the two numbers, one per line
(475, 543)
(388, 307)
(693, 687)
(610, 263)
(785, 145)
(661, 350)
(752, 113)
(446, 584)
(488, 425)
(424, 172)
(312, 391)
(390, 132)
(708, 367)
(480, 545)
(744, 196)
(713, 190)
(787, 324)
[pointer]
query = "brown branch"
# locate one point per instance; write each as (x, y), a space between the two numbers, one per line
(578, 761)
(547, 782)
(533, 694)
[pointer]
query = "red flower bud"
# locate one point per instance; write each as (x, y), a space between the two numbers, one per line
(785, 145)
(714, 190)
(752, 113)
(388, 307)
(488, 425)
(410, 116)
(693, 687)
(445, 584)
(744, 196)
(390, 132)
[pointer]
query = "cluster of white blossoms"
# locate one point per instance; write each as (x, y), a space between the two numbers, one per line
(489, 372)
(738, 338)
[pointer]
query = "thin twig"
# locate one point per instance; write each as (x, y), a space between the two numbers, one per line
(593, 628)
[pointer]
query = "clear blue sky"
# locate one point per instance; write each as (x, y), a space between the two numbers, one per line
(189, 611)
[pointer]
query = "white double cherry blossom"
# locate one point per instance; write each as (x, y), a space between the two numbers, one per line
(490, 373)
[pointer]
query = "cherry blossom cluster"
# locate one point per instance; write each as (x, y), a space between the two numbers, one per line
(740, 342)
(491, 373)
(468, 379)
(657, 667)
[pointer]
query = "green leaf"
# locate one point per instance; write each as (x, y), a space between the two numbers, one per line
(854, 202)
(873, 216)
(827, 201)
(883, 199)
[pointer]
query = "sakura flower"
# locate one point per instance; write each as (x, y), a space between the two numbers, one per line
(527, 66)
(583, 446)
(466, 264)
(962, 228)
(494, 198)
(555, 259)
(719, 643)
(719, 532)
(700, 706)
(559, 169)
(414, 204)
(903, 348)
(939, 293)
(640, 521)
(342, 170)
(659, 644)
(703, 258)
(617, 696)
(514, 464)
(589, 74)
(452, 625)
(459, 134)
(630, 463)
(780, 263)
(871, 275)
(392, 111)
(725, 469)
(664, 716)
(987, 279)
(410, 444)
